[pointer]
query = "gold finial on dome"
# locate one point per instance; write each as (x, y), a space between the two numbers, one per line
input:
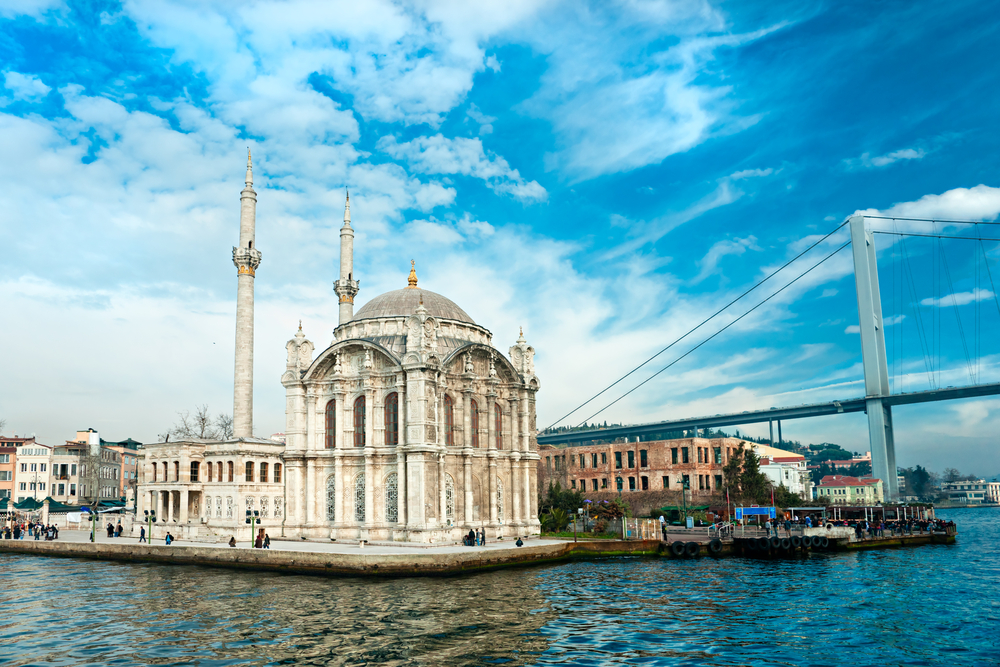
(412, 280)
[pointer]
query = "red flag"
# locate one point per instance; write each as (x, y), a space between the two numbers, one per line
(772, 496)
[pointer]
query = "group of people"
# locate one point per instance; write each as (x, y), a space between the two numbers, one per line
(30, 529)
(475, 538)
(114, 531)
(865, 529)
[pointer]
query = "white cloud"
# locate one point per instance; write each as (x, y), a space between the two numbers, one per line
(441, 155)
(11, 8)
(26, 87)
(710, 263)
(958, 298)
(981, 202)
(866, 161)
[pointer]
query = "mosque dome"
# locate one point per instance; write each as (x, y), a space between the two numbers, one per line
(404, 302)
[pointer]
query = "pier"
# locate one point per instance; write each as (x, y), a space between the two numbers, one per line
(394, 560)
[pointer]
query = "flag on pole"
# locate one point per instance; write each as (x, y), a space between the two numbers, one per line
(772, 496)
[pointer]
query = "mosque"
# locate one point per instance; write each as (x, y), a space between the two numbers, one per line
(410, 426)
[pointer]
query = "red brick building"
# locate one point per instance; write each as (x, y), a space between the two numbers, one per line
(638, 466)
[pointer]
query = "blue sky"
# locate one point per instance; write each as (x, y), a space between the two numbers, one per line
(603, 174)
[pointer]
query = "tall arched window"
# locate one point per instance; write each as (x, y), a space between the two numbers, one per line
(209, 467)
(392, 420)
(154, 472)
(474, 422)
(277, 474)
(498, 425)
(194, 471)
(249, 476)
(177, 471)
(165, 477)
(449, 421)
(263, 472)
(359, 422)
(331, 424)
(230, 471)
(218, 468)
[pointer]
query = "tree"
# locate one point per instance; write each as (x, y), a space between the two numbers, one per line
(744, 479)
(952, 475)
(3, 425)
(200, 426)
(568, 500)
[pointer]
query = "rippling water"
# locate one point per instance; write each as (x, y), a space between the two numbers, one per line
(933, 605)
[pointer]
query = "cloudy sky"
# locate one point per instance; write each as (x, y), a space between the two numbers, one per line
(605, 175)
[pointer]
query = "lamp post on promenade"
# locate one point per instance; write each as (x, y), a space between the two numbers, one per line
(252, 520)
(150, 520)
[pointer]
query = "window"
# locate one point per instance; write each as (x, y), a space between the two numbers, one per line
(154, 472)
(23, 486)
(73, 469)
(72, 489)
(631, 483)
(177, 471)
(572, 483)
(618, 460)
(474, 425)
(5, 475)
(593, 484)
(684, 455)
(548, 463)
(593, 460)
(645, 483)
(263, 472)
(231, 468)
(604, 483)
(219, 469)
(673, 455)
(4, 458)
(331, 424)
(631, 459)
(604, 458)
(718, 455)
(449, 421)
(558, 460)
(208, 469)
(701, 481)
(392, 420)
(619, 483)
(666, 482)
(359, 424)
(392, 497)
(249, 471)
(277, 477)
(41, 467)
(24, 467)
(194, 471)
(359, 498)
(331, 498)
(643, 459)
(718, 482)
(699, 456)
(34, 467)
(498, 425)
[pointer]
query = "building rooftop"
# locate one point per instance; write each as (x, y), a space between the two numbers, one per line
(845, 480)
(404, 302)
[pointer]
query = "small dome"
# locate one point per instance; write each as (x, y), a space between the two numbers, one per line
(404, 302)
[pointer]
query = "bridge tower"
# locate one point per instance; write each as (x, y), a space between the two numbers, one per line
(873, 357)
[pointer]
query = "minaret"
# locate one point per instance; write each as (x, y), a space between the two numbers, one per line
(246, 258)
(347, 287)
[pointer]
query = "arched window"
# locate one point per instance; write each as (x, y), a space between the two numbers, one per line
(249, 476)
(165, 478)
(177, 471)
(359, 422)
(277, 473)
(331, 498)
(194, 470)
(154, 472)
(263, 472)
(392, 498)
(498, 425)
(219, 469)
(331, 424)
(359, 498)
(449, 421)
(230, 471)
(392, 420)
(209, 468)
(474, 422)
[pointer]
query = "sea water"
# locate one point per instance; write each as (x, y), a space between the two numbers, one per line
(932, 605)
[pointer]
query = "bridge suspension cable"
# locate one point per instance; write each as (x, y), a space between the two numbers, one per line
(776, 293)
(699, 325)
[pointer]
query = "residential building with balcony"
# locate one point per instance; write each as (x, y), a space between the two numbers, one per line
(975, 492)
(31, 470)
(845, 490)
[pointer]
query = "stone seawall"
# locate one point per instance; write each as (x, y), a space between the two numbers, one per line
(334, 564)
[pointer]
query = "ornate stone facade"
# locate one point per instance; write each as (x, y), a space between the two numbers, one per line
(410, 426)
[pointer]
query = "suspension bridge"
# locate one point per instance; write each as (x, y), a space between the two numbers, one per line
(879, 398)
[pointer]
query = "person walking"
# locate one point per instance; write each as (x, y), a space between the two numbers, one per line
(767, 527)
(788, 528)
(142, 535)
(267, 541)
(168, 539)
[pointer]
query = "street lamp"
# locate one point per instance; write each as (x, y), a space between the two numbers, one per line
(685, 485)
(150, 520)
(93, 525)
(252, 520)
